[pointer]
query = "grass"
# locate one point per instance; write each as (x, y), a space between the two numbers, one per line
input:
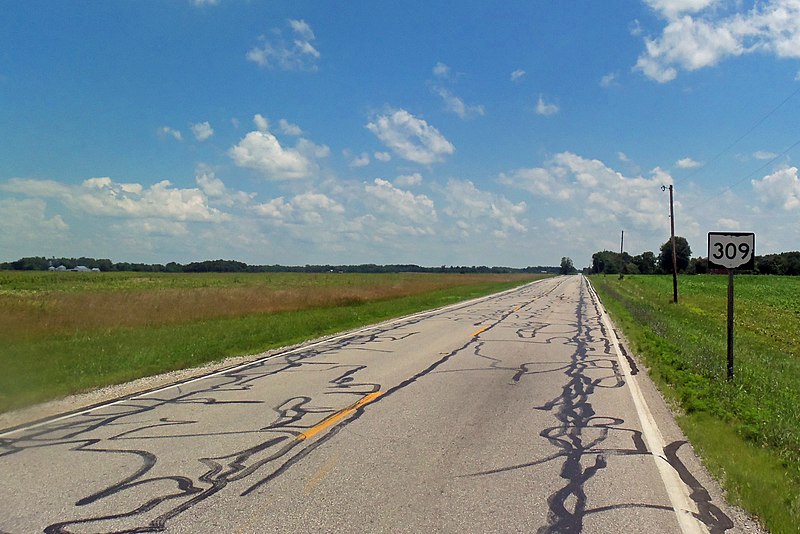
(63, 333)
(747, 430)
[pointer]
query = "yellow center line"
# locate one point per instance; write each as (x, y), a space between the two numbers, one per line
(338, 416)
(477, 332)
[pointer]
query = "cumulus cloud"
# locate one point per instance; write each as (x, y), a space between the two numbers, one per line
(361, 160)
(608, 80)
(779, 189)
(408, 180)
(440, 70)
(27, 221)
(166, 131)
(688, 163)
(480, 211)
(299, 54)
(216, 190)
(764, 155)
(261, 151)
(382, 156)
(395, 201)
(202, 130)
(604, 194)
(261, 123)
(517, 75)
(410, 137)
(697, 36)
(455, 105)
(104, 197)
(288, 128)
(546, 108)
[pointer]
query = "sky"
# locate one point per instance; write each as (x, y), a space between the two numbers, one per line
(428, 132)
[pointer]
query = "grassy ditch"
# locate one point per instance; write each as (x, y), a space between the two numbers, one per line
(63, 333)
(748, 430)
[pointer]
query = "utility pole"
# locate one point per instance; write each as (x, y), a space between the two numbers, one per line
(622, 243)
(674, 252)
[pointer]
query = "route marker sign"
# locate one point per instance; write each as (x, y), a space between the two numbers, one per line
(731, 250)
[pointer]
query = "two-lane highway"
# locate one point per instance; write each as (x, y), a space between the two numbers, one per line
(509, 413)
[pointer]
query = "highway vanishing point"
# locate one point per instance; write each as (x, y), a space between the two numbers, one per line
(516, 412)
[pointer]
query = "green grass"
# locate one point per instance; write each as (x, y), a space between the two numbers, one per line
(44, 357)
(747, 430)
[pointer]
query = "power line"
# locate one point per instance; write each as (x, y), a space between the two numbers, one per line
(730, 187)
(736, 141)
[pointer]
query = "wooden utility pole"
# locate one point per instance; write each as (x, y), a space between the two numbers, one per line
(674, 252)
(622, 243)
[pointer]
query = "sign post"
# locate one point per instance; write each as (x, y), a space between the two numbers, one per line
(730, 251)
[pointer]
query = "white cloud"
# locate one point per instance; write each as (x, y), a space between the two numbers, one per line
(104, 197)
(481, 212)
(390, 199)
(411, 138)
(608, 80)
(382, 156)
(622, 156)
(288, 128)
(455, 105)
(276, 208)
(545, 108)
(408, 180)
(300, 54)
(779, 189)
(728, 224)
(672, 8)
(696, 36)
(604, 194)
(205, 2)
(440, 70)
(215, 189)
(517, 75)
(25, 223)
(202, 130)
(263, 152)
(261, 123)
(764, 155)
(166, 131)
(688, 163)
(360, 161)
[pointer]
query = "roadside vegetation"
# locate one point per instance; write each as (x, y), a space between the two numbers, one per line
(62, 333)
(747, 431)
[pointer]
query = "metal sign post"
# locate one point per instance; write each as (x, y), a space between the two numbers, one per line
(731, 250)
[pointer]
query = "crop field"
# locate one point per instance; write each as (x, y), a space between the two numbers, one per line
(748, 429)
(66, 332)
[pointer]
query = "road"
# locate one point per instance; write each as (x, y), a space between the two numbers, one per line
(512, 413)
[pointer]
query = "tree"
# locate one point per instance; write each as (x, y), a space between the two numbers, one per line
(683, 254)
(646, 262)
(607, 262)
(567, 267)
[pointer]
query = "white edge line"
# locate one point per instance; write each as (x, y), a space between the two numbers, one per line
(678, 495)
(265, 358)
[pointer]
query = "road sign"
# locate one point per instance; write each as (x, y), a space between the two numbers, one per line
(731, 250)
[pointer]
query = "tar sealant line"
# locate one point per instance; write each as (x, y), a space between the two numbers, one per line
(678, 495)
(259, 360)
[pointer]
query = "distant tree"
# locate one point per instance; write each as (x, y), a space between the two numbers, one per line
(683, 254)
(645, 262)
(698, 266)
(567, 267)
(607, 262)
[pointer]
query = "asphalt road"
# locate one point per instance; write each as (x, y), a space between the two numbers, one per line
(514, 413)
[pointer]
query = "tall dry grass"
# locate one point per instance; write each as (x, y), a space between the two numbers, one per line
(32, 314)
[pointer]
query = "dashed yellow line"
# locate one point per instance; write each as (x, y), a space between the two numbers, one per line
(478, 332)
(338, 416)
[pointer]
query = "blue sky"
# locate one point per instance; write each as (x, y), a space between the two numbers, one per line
(430, 132)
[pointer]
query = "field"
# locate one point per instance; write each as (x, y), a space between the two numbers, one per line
(747, 430)
(62, 333)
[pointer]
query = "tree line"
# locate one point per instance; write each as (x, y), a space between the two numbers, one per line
(608, 262)
(41, 263)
